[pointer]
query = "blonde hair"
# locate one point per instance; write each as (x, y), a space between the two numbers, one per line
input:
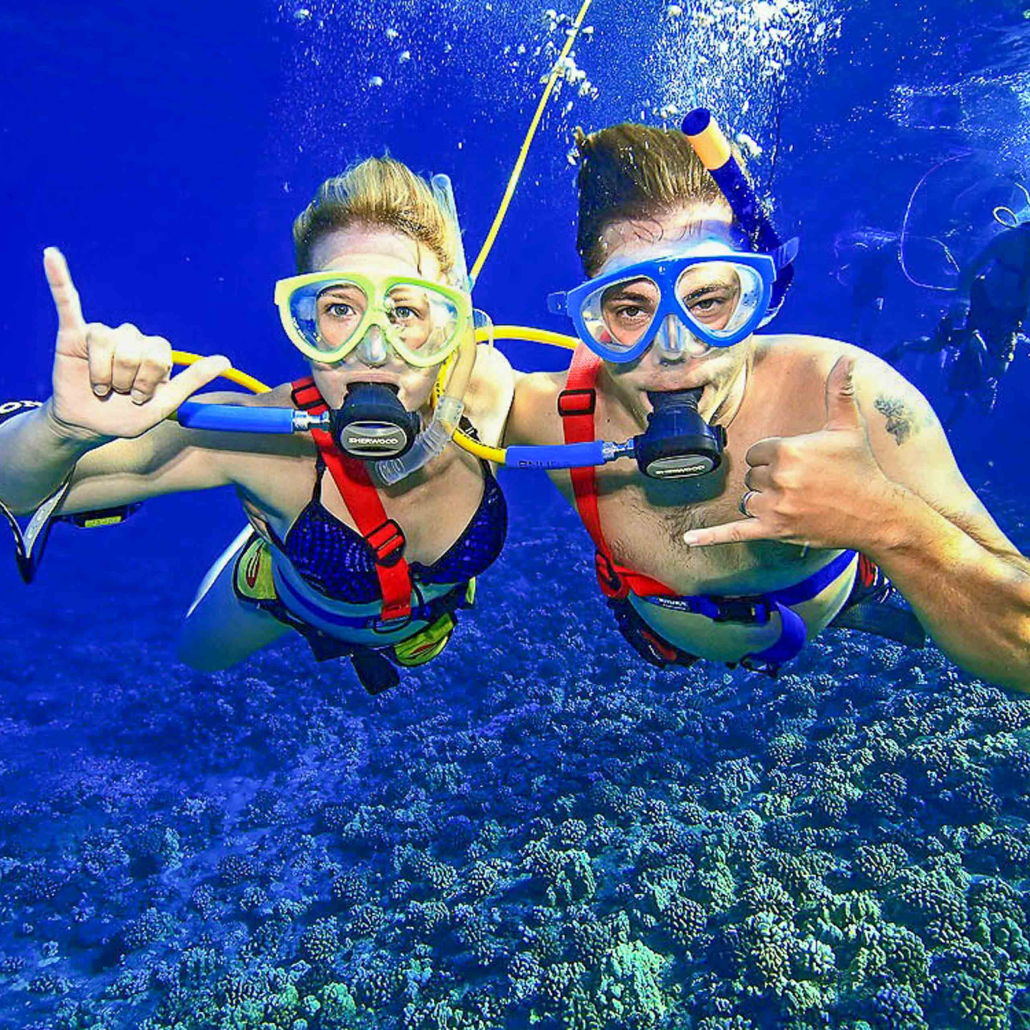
(378, 192)
(633, 171)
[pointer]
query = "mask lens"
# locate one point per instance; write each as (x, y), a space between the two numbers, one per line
(328, 315)
(618, 315)
(424, 321)
(717, 298)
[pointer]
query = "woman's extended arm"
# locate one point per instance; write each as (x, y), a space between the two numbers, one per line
(112, 392)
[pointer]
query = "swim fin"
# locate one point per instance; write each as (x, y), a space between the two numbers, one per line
(375, 673)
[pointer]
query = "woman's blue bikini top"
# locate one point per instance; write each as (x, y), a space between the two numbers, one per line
(338, 562)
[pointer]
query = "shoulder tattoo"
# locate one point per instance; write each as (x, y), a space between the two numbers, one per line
(903, 418)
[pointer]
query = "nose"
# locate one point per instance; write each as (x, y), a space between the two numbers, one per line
(671, 340)
(373, 350)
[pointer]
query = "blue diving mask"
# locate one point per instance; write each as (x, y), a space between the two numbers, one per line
(705, 293)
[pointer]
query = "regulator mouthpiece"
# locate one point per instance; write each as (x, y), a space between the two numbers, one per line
(678, 443)
(373, 424)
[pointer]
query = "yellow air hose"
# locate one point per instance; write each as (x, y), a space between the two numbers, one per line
(234, 375)
(513, 180)
(510, 332)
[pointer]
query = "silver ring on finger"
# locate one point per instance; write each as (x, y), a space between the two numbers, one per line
(743, 504)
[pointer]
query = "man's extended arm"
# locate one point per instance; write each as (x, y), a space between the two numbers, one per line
(878, 476)
(965, 579)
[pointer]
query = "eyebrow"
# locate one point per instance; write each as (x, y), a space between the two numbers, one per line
(341, 288)
(626, 292)
(700, 291)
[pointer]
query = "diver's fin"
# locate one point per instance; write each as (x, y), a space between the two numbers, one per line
(374, 671)
(883, 620)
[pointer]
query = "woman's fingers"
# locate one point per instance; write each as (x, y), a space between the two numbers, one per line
(155, 367)
(62, 289)
(123, 360)
(100, 344)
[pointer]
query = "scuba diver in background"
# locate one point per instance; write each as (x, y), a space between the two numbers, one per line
(815, 467)
(978, 337)
(869, 254)
(382, 312)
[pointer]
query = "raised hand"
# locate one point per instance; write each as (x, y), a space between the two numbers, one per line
(112, 382)
(817, 489)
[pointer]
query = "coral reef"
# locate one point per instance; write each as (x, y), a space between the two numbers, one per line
(578, 843)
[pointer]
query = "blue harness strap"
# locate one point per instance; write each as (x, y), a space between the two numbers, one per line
(758, 609)
(424, 611)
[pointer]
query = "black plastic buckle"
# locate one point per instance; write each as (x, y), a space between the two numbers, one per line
(388, 542)
(577, 402)
(742, 609)
(608, 579)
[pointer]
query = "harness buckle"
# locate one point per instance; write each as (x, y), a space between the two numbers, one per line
(740, 609)
(388, 543)
(611, 583)
(391, 623)
(577, 402)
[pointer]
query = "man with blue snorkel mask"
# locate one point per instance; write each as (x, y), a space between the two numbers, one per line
(791, 469)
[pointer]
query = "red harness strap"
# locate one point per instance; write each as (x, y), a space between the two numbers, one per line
(576, 404)
(362, 499)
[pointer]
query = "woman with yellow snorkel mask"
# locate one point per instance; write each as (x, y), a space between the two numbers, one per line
(364, 563)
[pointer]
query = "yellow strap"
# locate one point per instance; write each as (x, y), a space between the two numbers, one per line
(513, 181)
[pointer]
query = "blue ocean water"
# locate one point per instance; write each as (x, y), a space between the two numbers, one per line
(534, 829)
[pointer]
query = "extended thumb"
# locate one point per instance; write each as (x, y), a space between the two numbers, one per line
(841, 406)
(194, 378)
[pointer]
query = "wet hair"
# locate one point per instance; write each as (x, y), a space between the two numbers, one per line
(633, 171)
(377, 193)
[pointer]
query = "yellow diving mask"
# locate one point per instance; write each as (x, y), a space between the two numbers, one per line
(327, 314)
